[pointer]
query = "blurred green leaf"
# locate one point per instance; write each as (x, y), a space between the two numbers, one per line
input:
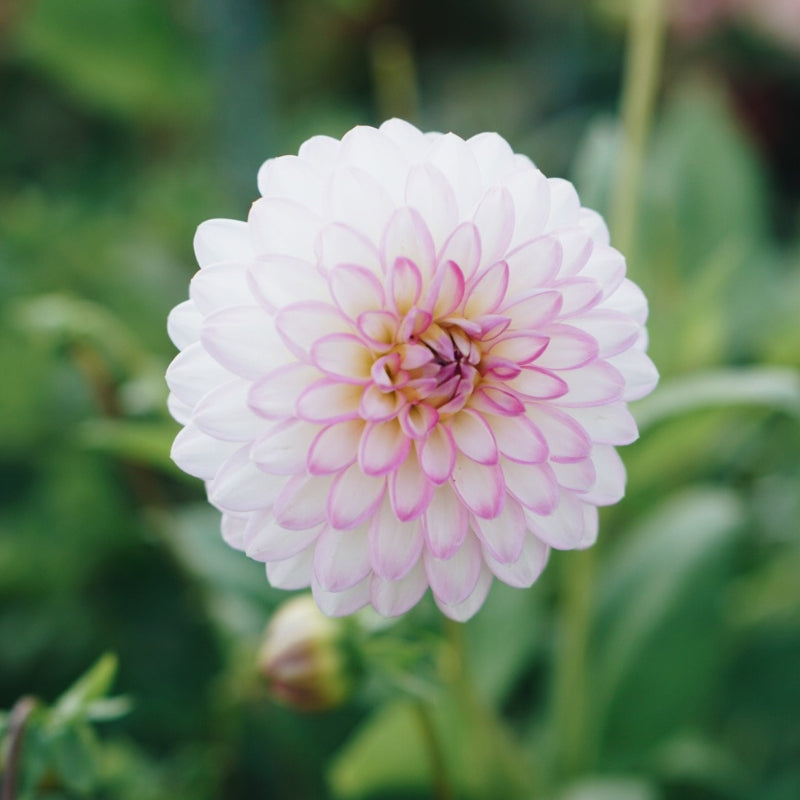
(611, 788)
(146, 443)
(659, 619)
(91, 686)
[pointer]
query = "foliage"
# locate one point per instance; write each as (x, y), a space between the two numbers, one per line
(125, 124)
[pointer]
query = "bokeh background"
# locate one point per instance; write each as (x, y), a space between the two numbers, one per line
(125, 123)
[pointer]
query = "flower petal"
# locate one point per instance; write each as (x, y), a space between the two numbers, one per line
(445, 523)
(193, 372)
(279, 281)
(523, 572)
(568, 348)
(184, 323)
(566, 527)
(282, 450)
(281, 226)
(301, 503)
(355, 290)
(504, 535)
(353, 498)
(392, 598)
(292, 573)
(275, 395)
(225, 413)
(220, 285)
(341, 558)
(343, 603)
(566, 439)
(473, 437)
(342, 356)
(519, 439)
(410, 491)
(430, 194)
(463, 248)
(222, 240)
(300, 325)
(407, 237)
(340, 244)
(200, 455)
(395, 546)
(461, 612)
(609, 487)
(328, 401)
(494, 218)
(383, 447)
(437, 455)
(335, 447)
(481, 488)
(534, 485)
(453, 579)
(240, 486)
(266, 540)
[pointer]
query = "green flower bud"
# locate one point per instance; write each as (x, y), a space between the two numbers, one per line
(306, 657)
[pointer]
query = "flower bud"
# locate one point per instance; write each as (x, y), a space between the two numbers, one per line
(304, 657)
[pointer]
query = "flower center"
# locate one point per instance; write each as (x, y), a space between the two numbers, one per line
(438, 366)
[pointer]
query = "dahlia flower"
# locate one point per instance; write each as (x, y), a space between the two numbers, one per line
(408, 369)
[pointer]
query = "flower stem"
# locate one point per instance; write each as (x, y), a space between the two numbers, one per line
(441, 782)
(20, 714)
(640, 86)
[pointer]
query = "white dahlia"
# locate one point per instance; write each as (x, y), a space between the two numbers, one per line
(408, 368)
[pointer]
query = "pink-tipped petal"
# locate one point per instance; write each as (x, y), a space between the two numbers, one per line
(353, 498)
(504, 535)
(410, 491)
(463, 248)
(531, 265)
(240, 485)
(282, 449)
(392, 598)
(405, 284)
(453, 579)
(578, 295)
(488, 291)
(473, 436)
(481, 488)
(437, 455)
(292, 573)
(461, 612)
(301, 503)
(493, 400)
(275, 395)
(445, 523)
(494, 218)
(341, 558)
(342, 356)
(539, 384)
(335, 447)
(523, 572)
(519, 439)
(355, 290)
(343, 603)
(395, 546)
(520, 348)
(328, 401)
(568, 348)
(266, 540)
(383, 447)
(534, 485)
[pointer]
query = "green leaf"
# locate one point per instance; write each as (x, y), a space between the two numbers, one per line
(659, 619)
(91, 686)
(610, 788)
(146, 443)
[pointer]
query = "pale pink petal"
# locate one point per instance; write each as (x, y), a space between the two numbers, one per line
(568, 348)
(504, 535)
(341, 558)
(320, 152)
(534, 485)
(343, 603)
(224, 413)
(519, 348)
(576, 476)
(409, 139)
(609, 487)
(220, 285)
(523, 572)
(473, 437)
(300, 325)
(640, 374)
(595, 383)
(481, 488)
(405, 284)
(378, 328)
(463, 248)
(628, 299)
(378, 406)
(193, 372)
(418, 420)
(494, 218)
(222, 240)
(278, 281)
(613, 331)
(407, 237)
(340, 244)
(453, 579)
(577, 247)
(445, 291)
(494, 156)
(180, 411)
(519, 439)
(538, 384)
(535, 311)
(342, 356)
(232, 527)
(392, 598)
(329, 401)
(355, 290)
(490, 399)
(395, 546)
(335, 447)
(608, 424)
(578, 295)
(445, 523)
(266, 540)
(301, 502)
(183, 324)
(199, 454)
(594, 225)
(429, 193)
(410, 491)
(292, 573)
(283, 227)
(488, 291)
(353, 498)
(566, 439)
(383, 447)
(369, 149)
(437, 455)
(283, 449)
(461, 612)
(565, 528)
(275, 395)
(244, 340)
(240, 485)
(607, 267)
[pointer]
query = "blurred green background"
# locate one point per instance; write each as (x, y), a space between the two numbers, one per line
(123, 124)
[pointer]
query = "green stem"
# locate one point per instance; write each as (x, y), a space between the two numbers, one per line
(439, 777)
(571, 713)
(20, 714)
(640, 86)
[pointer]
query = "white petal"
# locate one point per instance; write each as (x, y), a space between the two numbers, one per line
(494, 156)
(356, 199)
(430, 193)
(530, 192)
(607, 424)
(461, 612)
(294, 178)
(609, 488)
(523, 572)
(276, 394)
(453, 157)
(200, 455)
(392, 598)
(279, 281)
(341, 244)
(566, 528)
(341, 558)
(534, 485)
(395, 546)
(504, 535)
(494, 218)
(302, 500)
(481, 488)
(343, 603)
(283, 449)
(368, 149)
(221, 285)
(224, 413)
(445, 523)
(564, 204)
(240, 486)
(183, 324)
(222, 240)
(452, 580)
(266, 540)
(193, 372)
(292, 573)
(353, 498)
(641, 375)
(283, 227)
